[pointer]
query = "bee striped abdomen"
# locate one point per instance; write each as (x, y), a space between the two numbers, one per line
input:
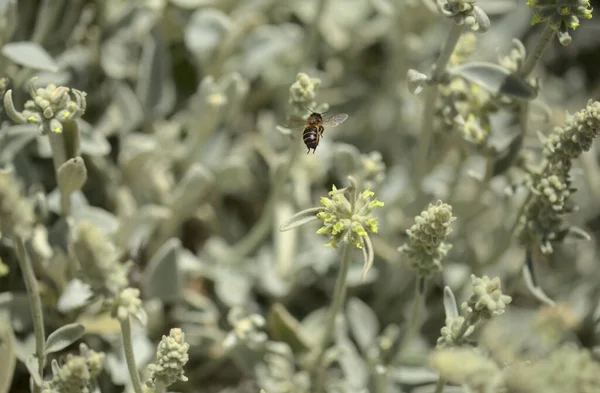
(311, 138)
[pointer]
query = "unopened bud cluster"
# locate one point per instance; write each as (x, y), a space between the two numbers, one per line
(247, 329)
(171, 356)
(303, 93)
(562, 15)
(77, 372)
(128, 304)
(426, 246)
(465, 12)
(49, 107)
(15, 210)
(485, 302)
(551, 186)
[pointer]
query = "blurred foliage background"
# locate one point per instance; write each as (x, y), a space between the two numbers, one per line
(177, 169)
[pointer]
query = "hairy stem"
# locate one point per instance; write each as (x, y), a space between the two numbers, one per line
(431, 95)
(538, 51)
(35, 304)
(415, 319)
(129, 355)
(338, 299)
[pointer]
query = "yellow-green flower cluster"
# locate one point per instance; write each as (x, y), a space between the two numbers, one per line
(171, 356)
(562, 15)
(346, 221)
(426, 247)
(49, 107)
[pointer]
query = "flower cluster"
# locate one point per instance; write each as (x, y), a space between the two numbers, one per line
(567, 369)
(486, 301)
(171, 356)
(15, 211)
(562, 15)
(348, 221)
(76, 374)
(98, 260)
(465, 12)
(426, 247)
(49, 107)
(302, 94)
(128, 304)
(542, 221)
(247, 329)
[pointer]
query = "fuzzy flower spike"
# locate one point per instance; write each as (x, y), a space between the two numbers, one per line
(344, 220)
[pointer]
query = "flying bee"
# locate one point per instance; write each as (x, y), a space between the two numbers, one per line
(314, 127)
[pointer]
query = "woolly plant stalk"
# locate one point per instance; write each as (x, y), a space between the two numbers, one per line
(35, 303)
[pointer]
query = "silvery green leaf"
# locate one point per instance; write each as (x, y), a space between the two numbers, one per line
(497, 7)
(14, 138)
(285, 328)
(482, 19)
(98, 216)
(346, 157)
(205, 30)
(450, 303)
(301, 218)
(7, 354)
(576, 233)
(78, 201)
(192, 4)
(143, 350)
(363, 323)
(161, 277)
(496, 79)
(123, 115)
(152, 71)
(413, 375)
(314, 323)
(16, 307)
(531, 279)
(71, 176)
(92, 142)
(369, 256)
(134, 231)
(8, 19)
(234, 176)
(29, 54)
(63, 337)
(385, 7)
(75, 295)
(351, 362)
(284, 130)
(232, 287)
(33, 367)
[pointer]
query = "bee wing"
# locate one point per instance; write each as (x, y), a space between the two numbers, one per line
(335, 120)
(296, 123)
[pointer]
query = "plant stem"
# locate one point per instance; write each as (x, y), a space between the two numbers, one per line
(439, 386)
(35, 304)
(338, 299)
(416, 315)
(129, 355)
(538, 51)
(431, 94)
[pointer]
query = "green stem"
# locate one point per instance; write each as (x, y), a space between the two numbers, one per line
(35, 304)
(439, 386)
(430, 99)
(129, 355)
(339, 295)
(59, 157)
(538, 51)
(262, 227)
(418, 304)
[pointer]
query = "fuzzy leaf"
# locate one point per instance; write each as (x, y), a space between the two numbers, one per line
(363, 323)
(496, 79)
(63, 337)
(284, 327)
(162, 279)
(369, 255)
(152, 70)
(450, 303)
(530, 281)
(30, 54)
(300, 218)
(71, 176)
(33, 366)
(8, 355)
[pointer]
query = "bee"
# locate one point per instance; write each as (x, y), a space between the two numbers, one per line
(314, 127)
